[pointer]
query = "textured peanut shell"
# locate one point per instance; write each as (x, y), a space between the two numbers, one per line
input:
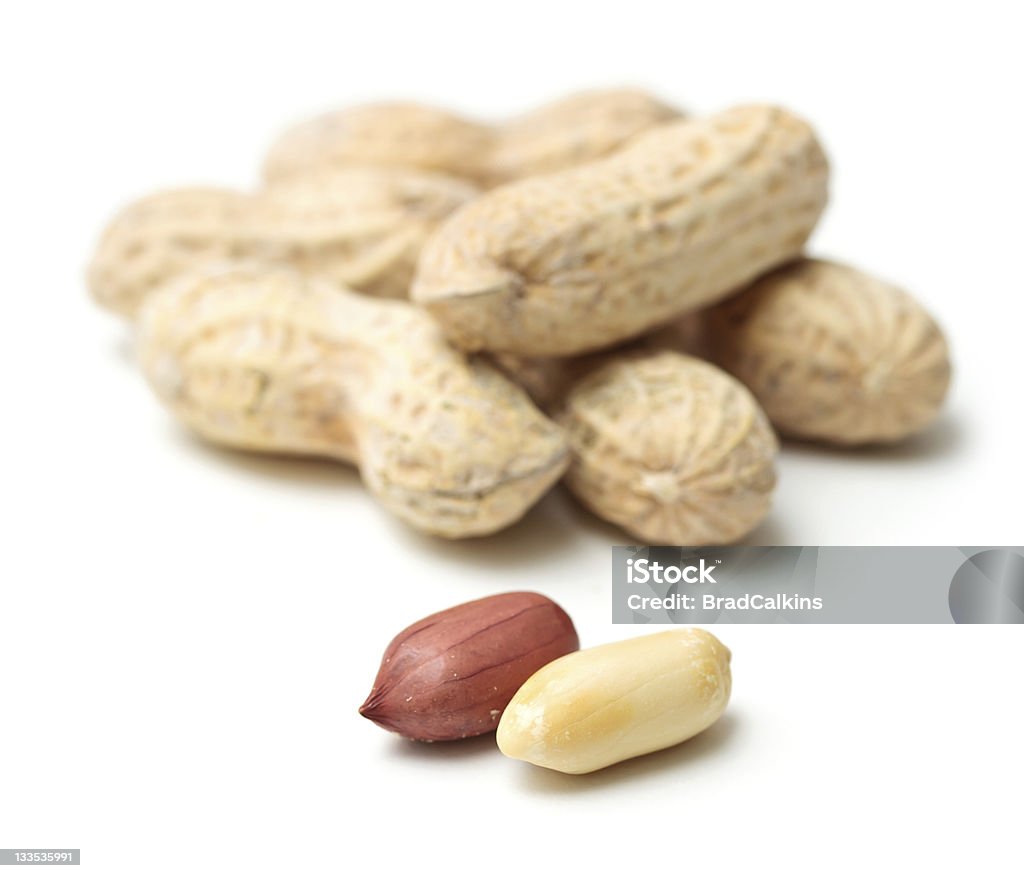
(586, 258)
(265, 359)
(361, 227)
(558, 135)
(579, 128)
(670, 448)
(450, 675)
(392, 134)
(593, 708)
(834, 354)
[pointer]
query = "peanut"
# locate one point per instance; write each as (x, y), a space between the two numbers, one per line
(262, 358)
(559, 135)
(593, 708)
(574, 261)
(450, 675)
(670, 448)
(834, 354)
(391, 134)
(577, 129)
(361, 227)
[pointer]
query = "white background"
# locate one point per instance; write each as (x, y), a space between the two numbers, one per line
(185, 633)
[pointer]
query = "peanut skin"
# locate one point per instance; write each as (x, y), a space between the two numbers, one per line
(266, 359)
(586, 258)
(450, 675)
(360, 227)
(833, 354)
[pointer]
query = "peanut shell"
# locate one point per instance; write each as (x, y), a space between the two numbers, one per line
(398, 135)
(265, 359)
(558, 135)
(834, 354)
(576, 129)
(586, 258)
(670, 448)
(360, 227)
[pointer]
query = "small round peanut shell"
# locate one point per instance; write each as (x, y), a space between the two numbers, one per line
(833, 354)
(670, 448)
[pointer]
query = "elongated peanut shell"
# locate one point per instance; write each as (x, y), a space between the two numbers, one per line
(570, 262)
(576, 129)
(361, 227)
(450, 675)
(267, 360)
(402, 135)
(555, 136)
(834, 354)
(159, 236)
(593, 708)
(670, 448)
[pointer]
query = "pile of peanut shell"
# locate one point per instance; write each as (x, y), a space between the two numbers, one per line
(602, 290)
